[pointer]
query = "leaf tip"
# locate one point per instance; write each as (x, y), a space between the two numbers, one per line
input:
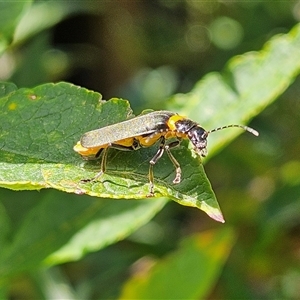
(213, 212)
(217, 216)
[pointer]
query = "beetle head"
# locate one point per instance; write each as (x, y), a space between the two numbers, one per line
(198, 137)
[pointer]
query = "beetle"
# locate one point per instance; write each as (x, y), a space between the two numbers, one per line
(163, 127)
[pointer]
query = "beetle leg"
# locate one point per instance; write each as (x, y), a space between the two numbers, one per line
(158, 155)
(99, 153)
(176, 164)
(104, 152)
(103, 163)
(153, 161)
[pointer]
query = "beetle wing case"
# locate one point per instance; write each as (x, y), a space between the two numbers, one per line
(138, 126)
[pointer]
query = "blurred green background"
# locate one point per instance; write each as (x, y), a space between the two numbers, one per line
(146, 51)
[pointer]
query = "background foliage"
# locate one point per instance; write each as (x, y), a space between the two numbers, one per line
(148, 52)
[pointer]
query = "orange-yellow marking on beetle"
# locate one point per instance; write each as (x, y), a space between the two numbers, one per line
(172, 121)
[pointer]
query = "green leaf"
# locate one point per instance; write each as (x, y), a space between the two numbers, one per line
(81, 225)
(10, 14)
(40, 127)
(6, 88)
(249, 83)
(188, 273)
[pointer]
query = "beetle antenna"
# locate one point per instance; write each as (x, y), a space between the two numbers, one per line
(246, 128)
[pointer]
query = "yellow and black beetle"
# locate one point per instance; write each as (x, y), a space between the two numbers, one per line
(144, 131)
